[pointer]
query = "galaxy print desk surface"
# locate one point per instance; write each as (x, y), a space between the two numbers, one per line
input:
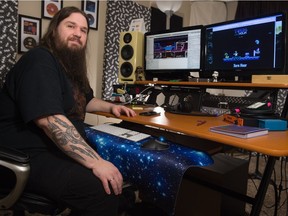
(273, 145)
(156, 173)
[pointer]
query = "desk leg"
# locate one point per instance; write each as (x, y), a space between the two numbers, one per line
(259, 198)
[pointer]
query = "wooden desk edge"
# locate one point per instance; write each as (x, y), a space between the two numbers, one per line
(226, 140)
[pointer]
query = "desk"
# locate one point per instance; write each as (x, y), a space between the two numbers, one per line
(275, 144)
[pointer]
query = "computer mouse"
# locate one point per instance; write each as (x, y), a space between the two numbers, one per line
(158, 143)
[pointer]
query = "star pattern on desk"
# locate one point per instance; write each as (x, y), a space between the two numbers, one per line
(157, 174)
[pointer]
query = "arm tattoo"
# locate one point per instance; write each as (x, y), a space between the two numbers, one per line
(69, 136)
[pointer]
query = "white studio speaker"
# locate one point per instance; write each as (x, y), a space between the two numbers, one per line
(130, 55)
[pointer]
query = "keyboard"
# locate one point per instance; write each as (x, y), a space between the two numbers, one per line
(131, 135)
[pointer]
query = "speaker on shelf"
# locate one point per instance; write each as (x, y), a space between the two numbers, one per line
(130, 55)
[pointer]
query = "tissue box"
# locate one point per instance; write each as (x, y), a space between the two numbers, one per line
(273, 124)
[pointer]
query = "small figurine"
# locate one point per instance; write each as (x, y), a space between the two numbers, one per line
(215, 76)
(140, 74)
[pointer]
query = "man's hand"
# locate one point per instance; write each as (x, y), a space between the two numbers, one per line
(108, 174)
(102, 106)
(117, 110)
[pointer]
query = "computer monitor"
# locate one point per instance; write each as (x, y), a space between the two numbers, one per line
(170, 55)
(239, 49)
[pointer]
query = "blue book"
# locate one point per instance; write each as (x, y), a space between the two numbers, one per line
(239, 131)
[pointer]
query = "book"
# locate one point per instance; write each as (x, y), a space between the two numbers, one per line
(239, 131)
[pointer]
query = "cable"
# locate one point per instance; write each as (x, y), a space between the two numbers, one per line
(137, 97)
(280, 191)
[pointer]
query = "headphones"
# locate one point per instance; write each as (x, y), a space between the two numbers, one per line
(180, 107)
(187, 105)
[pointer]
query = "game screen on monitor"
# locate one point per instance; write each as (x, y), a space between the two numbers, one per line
(247, 47)
(173, 54)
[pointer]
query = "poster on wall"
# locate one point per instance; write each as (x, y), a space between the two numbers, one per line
(137, 25)
(51, 7)
(90, 7)
(29, 33)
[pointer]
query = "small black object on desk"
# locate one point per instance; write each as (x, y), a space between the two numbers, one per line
(155, 144)
(149, 113)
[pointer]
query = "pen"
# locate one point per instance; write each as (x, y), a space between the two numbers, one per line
(200, 122)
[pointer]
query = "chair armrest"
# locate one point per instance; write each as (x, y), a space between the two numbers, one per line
(18, 162)
(13, 155)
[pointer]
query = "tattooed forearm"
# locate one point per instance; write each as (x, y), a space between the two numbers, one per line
(84, 151)
(60, 122)
(64, 134)
(74, 155)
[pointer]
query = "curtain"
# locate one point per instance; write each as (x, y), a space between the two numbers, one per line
(248, 9)
(118, 18)
(8, 36)
(207, 12)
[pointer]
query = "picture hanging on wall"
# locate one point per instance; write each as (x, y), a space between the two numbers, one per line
(90, 7)
(51, 7)
(29, 33)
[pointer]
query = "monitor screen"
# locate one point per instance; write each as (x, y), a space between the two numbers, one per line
(241, 48)
(172, 54)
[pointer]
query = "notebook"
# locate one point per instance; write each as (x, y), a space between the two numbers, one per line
(239, 131)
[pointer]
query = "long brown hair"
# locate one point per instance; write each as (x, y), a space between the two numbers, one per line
(48, 41)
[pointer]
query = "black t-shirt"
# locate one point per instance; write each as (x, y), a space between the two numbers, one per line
(36, 86)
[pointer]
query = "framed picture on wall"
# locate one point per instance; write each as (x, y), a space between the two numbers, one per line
(51, 7)
(90, 7)
(29, 33)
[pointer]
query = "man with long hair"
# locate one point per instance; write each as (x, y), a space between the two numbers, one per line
(43, 105)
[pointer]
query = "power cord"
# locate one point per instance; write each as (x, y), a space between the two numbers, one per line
(140, 95)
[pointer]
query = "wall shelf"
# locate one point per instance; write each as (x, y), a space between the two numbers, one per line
(233, 85)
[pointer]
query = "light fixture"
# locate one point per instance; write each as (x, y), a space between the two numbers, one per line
(168, 7)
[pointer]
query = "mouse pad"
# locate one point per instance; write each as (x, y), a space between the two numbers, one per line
(157, 174)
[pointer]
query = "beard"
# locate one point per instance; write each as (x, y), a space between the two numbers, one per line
(73, 59)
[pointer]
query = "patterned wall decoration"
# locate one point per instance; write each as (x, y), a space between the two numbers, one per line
(281, 98)
(119, 16)
(8, 36)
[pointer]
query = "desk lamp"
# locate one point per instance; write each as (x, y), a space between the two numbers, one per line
(168, 7)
